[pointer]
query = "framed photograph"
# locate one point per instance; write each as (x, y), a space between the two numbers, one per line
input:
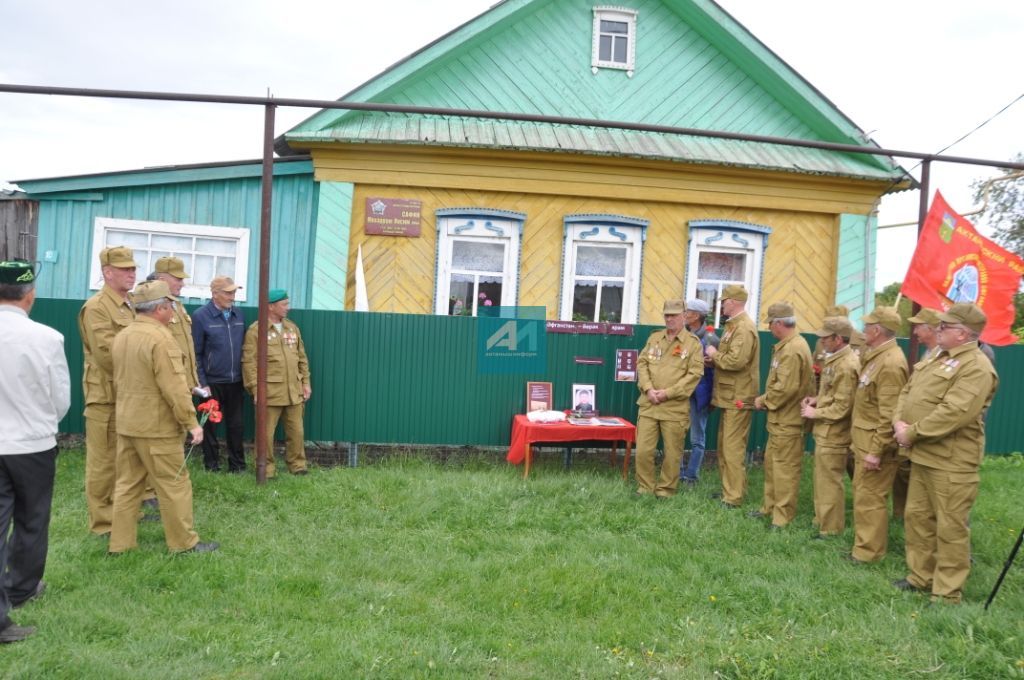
(584, 397)
(625, 365)
(538, 396)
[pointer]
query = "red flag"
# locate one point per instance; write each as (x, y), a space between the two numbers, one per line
(954, 263)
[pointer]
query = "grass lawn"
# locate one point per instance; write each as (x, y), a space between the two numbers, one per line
(409, 568)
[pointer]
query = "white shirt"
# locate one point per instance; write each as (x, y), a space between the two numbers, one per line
(35, 387)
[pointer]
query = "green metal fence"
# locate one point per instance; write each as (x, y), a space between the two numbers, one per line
(413, 379)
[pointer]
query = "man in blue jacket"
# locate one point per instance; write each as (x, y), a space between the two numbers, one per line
(218, 330)
(700, 401)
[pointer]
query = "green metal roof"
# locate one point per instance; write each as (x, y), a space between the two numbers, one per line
(696, 68)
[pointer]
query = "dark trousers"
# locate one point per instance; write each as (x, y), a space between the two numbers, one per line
(26, 492)
(230, 396)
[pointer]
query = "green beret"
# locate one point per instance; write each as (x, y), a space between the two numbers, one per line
(276, 295)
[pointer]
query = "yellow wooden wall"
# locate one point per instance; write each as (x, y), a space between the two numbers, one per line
(799, 266)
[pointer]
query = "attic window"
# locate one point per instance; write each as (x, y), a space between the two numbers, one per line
(614, 44)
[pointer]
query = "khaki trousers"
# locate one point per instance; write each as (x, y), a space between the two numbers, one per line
(937, 531)
(734, 432)
(829, 487)
(673, 434)
(871, 490)
(900, 484)
(100, 466)
(295, 443)
(783, 461)
(160, 459)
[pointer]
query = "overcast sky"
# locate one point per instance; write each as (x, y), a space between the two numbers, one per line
(914, 74)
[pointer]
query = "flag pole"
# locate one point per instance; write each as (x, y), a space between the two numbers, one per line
(922, 214)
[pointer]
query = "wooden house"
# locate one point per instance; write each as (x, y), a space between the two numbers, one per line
(595, 224)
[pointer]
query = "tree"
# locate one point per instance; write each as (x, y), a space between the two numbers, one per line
(1004, 212)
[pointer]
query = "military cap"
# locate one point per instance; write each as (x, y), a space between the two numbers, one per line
(857, 339)
(223, 283)
(17, 272)
(835, 325)
(886, 317)
(276, 295)
(673, 307)
(171, 265)
(121, 257)
(148, 291)
(837, 310)
(697, 305)
(966, 314)
(926, 316)
(735, 291)
(779, 310)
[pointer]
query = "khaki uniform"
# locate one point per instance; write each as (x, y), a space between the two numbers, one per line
(101, 318)
(790, 380)
(181, 330)
(737, 376)
(883, 375)
(676, 366)
(287, 375)
(901, 482)
(154, 411)
(832, 438)
(944, 405)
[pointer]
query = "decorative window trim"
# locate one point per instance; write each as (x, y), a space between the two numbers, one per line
(619, 14)
(729, 236)
(239, 235)
(487, 225)
(610, 229)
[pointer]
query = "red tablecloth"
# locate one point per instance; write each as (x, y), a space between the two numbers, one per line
(524, 432)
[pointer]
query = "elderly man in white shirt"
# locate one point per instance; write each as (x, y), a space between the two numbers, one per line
(35, 393)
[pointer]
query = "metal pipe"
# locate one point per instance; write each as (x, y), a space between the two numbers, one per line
(922, 214)
(501, 115)
(262, 320)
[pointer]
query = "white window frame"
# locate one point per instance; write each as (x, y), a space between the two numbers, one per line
(482, 225)
(622, 15)
(191, 289)
(611, 230)
(727, 236)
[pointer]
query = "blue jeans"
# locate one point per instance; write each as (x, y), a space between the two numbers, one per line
(698, 425)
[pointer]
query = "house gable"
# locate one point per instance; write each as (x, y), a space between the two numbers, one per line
(696, 67)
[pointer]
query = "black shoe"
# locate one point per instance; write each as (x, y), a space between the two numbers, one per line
(906, 586)
(203, 547)
(40, 588)
(853, 560)
(775, 527)
(213, 469)
(756, 514)
(303, 471)
(728, 506)
(716, 496)
(151, 503)
(818, 536)
(13, 633)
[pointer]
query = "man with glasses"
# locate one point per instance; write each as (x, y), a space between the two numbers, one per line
(882, 376)
(939, 420)
(736, 361)
(668, 370)
(926, 329)
(790, 381)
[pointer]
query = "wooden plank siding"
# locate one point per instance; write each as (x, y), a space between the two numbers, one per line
(570, 174)
(400, 272)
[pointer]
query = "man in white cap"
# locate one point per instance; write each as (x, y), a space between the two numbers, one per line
(695, 317)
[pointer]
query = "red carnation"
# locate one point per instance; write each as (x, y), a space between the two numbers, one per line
(817, 369)
(739, 403)
(210, 405)
(215, 416)
(709, 329)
